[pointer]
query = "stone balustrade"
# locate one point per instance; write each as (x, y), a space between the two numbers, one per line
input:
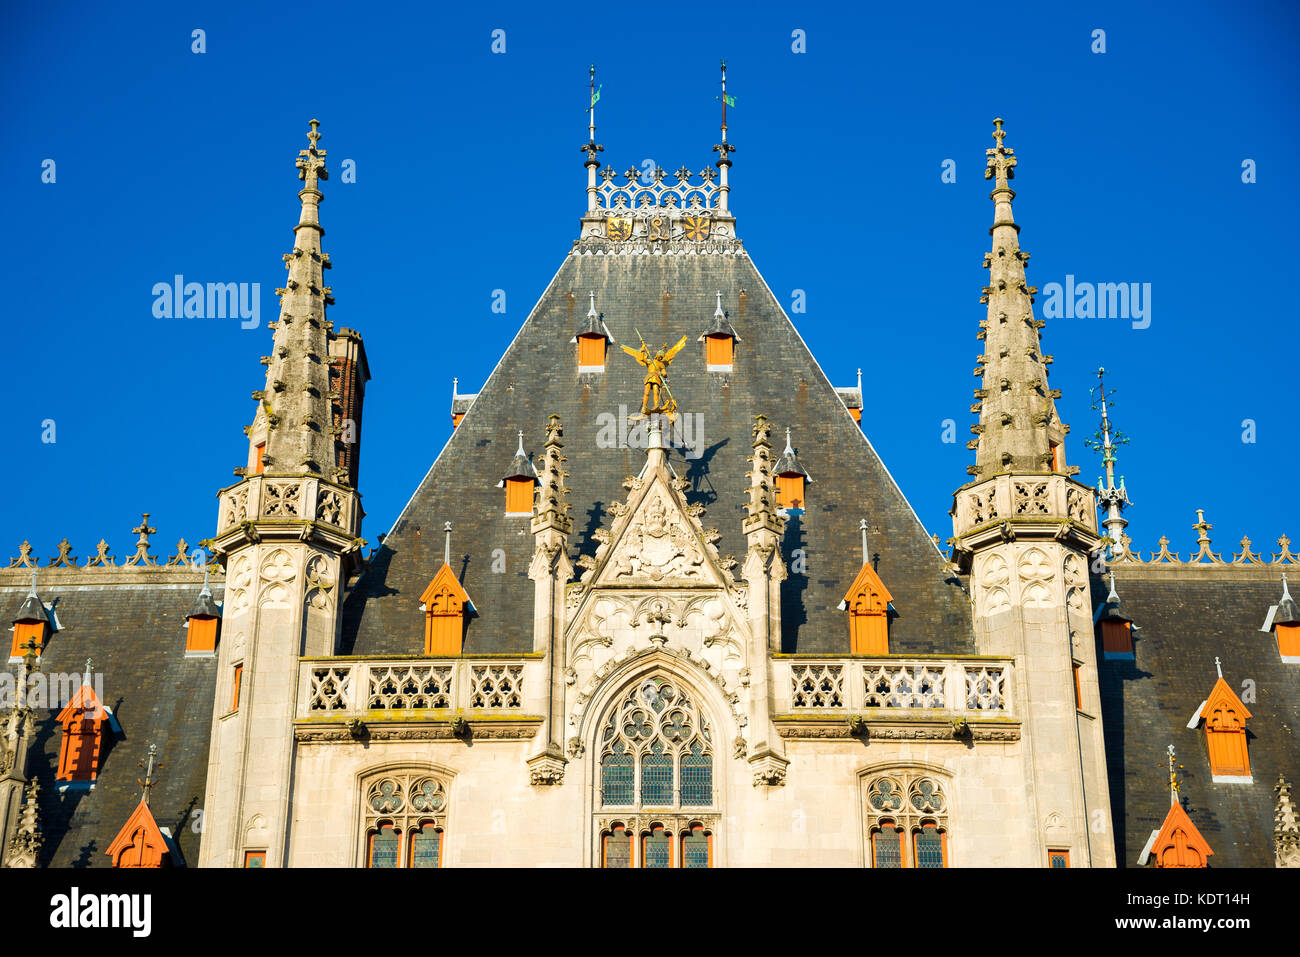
(270, 498)
(341, 688)
(974, 686)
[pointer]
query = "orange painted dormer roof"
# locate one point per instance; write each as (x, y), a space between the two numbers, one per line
(867, 582)
(445, 581)
(1179, 842)
(1223, 697)
(84, 701)
(140, 843)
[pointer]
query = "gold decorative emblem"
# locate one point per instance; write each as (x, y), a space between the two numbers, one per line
(697, 227)
(618, 228)
(659, 227)
(657, 396)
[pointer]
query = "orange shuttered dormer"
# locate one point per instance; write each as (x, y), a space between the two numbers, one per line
(140, 843)
(83, 722)
(1178, 843)
(31, 625)
(1284, 619)
(719, 342)
(519, 482)
(202, 623)
(444, 604)
(1225, 733)
(867, 603)
(792, 478)
(593, 340)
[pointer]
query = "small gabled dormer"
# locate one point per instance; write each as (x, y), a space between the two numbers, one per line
(446, 605)
(868, 604)
(792, 479)
(1225, 719)
(719, 342)
(460, 403)
(85, 723)
(593, 340)
(519, 482)
(1284, 621)
(1177, 842)
(852, 399)
(1116, 628)
(202, 624)
(141, 843)
(31, 625)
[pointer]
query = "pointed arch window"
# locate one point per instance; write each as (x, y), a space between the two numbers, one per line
(907, 819)
(404, 820)
(657, 767)
(657, 750)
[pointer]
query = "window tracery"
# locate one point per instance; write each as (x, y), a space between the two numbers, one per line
(404, 819)
(906, 813)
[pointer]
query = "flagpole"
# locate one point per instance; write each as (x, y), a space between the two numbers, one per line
(724, 101)
(591, 129)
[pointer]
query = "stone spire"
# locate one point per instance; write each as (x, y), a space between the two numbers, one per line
(552, 508)
(295, 405)
(1018, 423)
(27, 838)
(763, 525)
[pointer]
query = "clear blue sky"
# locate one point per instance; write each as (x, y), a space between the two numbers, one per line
(469, 179)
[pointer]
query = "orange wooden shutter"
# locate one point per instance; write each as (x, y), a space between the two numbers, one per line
(519, 495)
(591, 350)
(718, 350)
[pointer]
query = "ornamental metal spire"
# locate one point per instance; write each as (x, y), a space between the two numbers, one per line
(1173, 777)
(295, 405)
(1018, 427)
(591, 147)
(724, 151)
(1111, 497)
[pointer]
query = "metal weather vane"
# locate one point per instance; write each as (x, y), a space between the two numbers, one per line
(657, 398)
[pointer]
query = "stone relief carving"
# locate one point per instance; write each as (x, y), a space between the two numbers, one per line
(656, 547)
(239, 585)
(994, 582)
(276, 574)
(1076, 583)
(320, 583)
(1036, 572)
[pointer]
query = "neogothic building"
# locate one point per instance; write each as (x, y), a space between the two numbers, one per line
(601, 639)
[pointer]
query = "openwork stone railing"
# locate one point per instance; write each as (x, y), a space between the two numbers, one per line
(272, 498)
(341, 687)
(635, 194)
(979, 685)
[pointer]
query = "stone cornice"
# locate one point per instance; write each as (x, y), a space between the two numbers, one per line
(895, 727)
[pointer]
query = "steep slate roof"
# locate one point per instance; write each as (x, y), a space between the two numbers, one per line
(131, 622)
(1185, 617)
(665, 297)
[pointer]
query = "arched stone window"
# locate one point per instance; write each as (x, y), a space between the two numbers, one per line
(404, 819)
(907, 818)
(656, 770)
(656, 750)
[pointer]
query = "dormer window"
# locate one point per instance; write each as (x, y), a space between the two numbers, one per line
(519, 482)
(852, 399)
(202, 623)
(1225, 720)
(31, 625)
(791, 478)
(1284, 621)
(1116, 627)
(719, 342)
(460, 403)
(593, 339)
(444, 604)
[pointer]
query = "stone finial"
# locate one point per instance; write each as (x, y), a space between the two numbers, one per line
(446, 543)
(1285, 555)
(1164, 555)
(551, 509)
(1001, 158)
(144, 530)
(24, 559)
(1246, 556)
(65, 558)
(1286, 826)
(311, 161)
(101, 555)
(1203, 540)
(182, 556)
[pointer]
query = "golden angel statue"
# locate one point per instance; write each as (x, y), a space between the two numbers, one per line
(658, 398)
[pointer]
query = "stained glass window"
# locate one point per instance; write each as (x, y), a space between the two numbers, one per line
(657, 849)
(887, 850)
(697, 777)
(695, 848)
(426, 846)
(384, 847)
(616, 776)
(657, 777)
(929, 847)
